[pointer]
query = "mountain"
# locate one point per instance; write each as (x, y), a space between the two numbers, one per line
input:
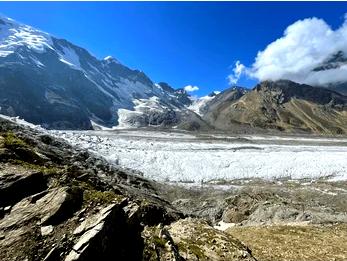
(339, 87)
(218, 103)
(52, 82)
(180, 94)
(283, 105)
(59, 85)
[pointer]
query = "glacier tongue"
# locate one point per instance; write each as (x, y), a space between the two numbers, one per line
(181, 157)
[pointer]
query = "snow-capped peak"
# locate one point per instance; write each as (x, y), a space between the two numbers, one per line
(14, 34)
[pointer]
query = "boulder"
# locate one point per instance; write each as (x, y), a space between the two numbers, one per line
(16, 186)
(100, 234)
(50, 207)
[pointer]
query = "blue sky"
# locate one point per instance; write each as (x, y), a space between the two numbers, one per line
(182, 43)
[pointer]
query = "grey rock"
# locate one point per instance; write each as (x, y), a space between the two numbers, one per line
(46, 230)
(53, 207)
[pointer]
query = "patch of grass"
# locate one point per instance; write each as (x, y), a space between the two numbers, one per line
(11, 141)
(190, 247)
(95, 196)
(48, 170)
(159, 242)
(304, 243)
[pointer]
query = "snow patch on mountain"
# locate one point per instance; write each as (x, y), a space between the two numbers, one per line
(142, 108)
(36, 62)
(199, 104)
(110, 59)
(70, 57)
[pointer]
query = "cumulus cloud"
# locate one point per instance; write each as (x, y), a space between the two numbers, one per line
(191, 88)
(237, 72)
(305, 46)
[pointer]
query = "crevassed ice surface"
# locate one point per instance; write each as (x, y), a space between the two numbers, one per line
(178, 157)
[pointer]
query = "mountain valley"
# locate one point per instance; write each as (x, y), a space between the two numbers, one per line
(100, 162)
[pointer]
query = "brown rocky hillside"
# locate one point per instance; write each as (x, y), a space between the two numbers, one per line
(286, 106)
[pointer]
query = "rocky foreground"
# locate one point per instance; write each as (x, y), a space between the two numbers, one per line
(61, 203)
(58, 202)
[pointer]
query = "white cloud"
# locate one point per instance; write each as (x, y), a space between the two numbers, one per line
(304, 46)
(237, 72)
(190, 88)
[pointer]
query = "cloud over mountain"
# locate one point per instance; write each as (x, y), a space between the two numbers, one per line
(191, 88)
(237, 72)
(309, 51)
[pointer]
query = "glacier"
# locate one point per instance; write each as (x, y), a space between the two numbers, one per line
(182, 157)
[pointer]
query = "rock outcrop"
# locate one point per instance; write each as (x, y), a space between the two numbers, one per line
(192, 239)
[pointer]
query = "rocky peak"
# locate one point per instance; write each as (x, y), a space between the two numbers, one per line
(166, 87)
(212, 94)
(181, 94)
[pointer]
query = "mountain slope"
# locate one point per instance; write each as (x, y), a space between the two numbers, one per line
(285, 105)
(52, 82)
(221, 100)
